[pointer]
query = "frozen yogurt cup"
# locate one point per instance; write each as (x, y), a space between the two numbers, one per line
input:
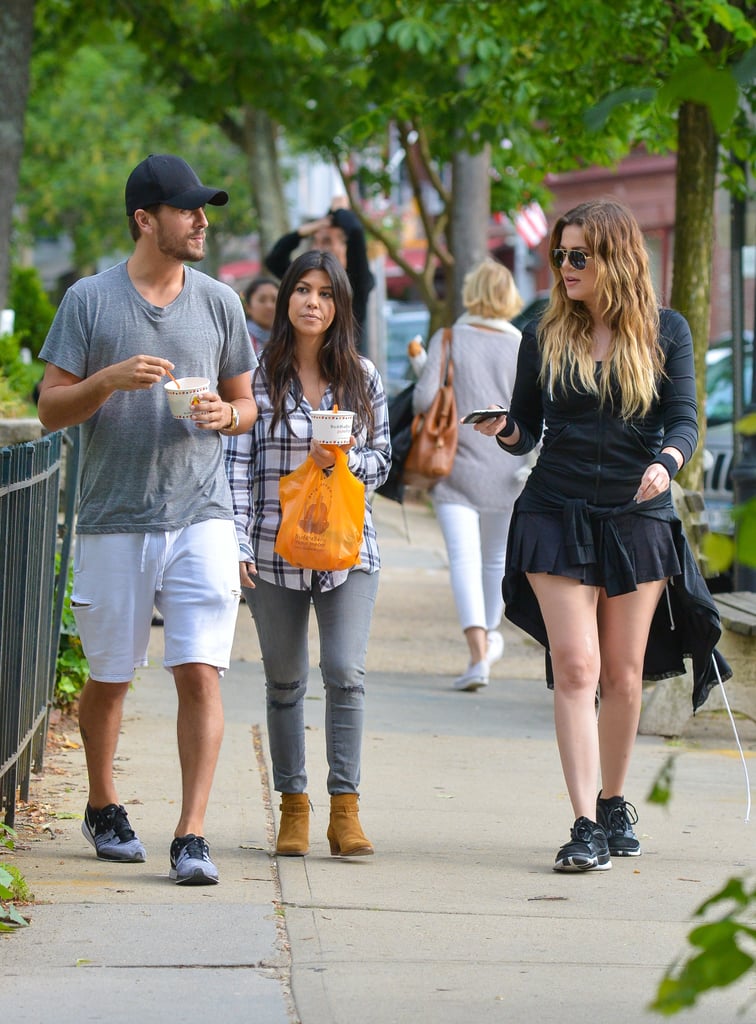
(332, 427)
(184, 393)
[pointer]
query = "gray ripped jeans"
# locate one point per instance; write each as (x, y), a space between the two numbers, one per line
(343, 615)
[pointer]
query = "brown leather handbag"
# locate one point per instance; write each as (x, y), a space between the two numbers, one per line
(434, 433)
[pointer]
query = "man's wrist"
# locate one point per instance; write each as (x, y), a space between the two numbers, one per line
(233, 423)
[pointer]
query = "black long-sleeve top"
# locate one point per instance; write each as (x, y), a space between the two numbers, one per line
(588, 450)
(357, 264)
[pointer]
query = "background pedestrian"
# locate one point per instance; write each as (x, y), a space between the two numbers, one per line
(341, 233)
(474, 503)
(260, 306)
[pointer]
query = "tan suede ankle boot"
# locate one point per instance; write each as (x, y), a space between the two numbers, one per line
(294, 827)
(344, 830)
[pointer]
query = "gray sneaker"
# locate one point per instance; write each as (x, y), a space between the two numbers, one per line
(111, 835)
(190, 861)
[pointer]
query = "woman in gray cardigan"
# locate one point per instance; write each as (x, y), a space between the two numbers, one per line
(473, 504)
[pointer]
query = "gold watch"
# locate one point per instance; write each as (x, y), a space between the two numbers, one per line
(234, 424)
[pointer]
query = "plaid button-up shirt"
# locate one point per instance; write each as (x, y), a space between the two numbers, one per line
(255, 462)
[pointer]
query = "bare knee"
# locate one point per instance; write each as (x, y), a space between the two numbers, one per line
(102, 695)
(574, 671)
(624, 684)
(196, 684)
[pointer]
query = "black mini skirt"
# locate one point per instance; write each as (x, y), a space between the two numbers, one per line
(537, 544)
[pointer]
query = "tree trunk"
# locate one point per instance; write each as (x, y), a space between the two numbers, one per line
(255, 135)
(266, 189)
(471, 208)
(694, 240)
(16, 33)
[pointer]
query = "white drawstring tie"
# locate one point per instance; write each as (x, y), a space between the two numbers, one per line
(737, 741)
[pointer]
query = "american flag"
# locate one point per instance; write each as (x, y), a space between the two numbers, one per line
(531, 224)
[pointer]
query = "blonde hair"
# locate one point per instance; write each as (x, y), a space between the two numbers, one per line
(489, 291)
(627, 303)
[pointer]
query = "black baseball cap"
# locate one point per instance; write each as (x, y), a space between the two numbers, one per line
(162, 178)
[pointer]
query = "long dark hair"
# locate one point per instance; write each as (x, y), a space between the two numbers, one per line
(339, 360)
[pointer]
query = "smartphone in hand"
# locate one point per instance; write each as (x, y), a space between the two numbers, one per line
(478, 415)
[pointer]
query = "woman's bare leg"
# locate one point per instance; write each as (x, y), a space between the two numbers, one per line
(624, 622)
(569, 613)
(477, 642)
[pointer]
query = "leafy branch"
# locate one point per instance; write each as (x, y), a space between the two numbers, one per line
(721, 959)
(12, 886)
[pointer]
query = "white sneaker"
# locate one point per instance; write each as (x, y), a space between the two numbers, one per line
(495, 650)
(474, 678)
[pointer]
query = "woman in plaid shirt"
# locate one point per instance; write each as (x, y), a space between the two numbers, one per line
(310, 363)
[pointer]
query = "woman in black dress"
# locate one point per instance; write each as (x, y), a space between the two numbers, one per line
(606, 378)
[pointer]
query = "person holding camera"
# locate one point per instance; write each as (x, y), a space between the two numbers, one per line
(341, 233)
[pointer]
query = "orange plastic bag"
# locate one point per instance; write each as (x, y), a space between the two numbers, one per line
(322, 516)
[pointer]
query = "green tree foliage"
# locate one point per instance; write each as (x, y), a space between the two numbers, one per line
(306, 68)
(340, 76)
(224, 58)
(71, 666)
(33, 316)
(32, 308)
(13, 887)
(17, 377)
(724, 948)
(93, 114)
(13, 404)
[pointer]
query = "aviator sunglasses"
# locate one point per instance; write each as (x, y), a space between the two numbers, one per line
(576, 257)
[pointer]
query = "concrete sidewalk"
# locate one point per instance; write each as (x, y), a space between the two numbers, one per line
(457, 918)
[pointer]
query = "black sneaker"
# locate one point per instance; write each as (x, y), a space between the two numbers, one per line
(587, 850)
(190, 861)
(617, 817)
(111, 835)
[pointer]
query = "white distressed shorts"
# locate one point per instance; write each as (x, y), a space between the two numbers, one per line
(190, 575)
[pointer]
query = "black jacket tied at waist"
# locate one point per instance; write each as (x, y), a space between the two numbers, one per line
(580, 520)
(686, 622)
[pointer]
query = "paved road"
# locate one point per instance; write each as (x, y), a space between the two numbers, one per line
(457, 918)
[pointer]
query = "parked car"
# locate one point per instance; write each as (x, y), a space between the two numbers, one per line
(404, 320)
(718, 443)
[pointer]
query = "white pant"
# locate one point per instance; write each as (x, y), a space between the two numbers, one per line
(476, 543)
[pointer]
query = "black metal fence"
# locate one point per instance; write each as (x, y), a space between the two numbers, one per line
(32, 520)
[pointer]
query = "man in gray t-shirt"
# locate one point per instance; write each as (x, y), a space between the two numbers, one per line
(155, 524)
